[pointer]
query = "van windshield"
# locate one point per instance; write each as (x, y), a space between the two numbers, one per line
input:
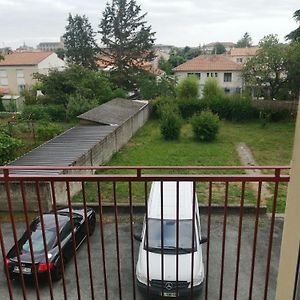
(185, 243)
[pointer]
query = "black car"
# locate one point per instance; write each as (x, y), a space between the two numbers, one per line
(54, 257)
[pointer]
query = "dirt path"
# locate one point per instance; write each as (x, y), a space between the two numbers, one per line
(247, 159)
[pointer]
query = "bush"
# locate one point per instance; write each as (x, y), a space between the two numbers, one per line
(219, 105)
(205, 126)
(161, 103)
(55, 112)
(47, 131)
(35, 112)
(78, 105)
(212, 90)
(8, 148)
(188, 88)
(170, 125)
(189, 107)
(241, 108)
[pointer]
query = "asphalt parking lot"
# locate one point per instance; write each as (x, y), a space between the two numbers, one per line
(126, 269)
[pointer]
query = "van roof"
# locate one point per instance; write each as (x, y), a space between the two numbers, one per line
(170, 200)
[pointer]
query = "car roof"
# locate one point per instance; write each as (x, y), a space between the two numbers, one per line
(49, 221)
(170, 200)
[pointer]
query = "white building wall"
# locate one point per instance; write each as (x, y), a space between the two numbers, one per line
(236, 79)
(51, 62)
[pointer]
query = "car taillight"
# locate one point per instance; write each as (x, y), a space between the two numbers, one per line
(7, 261)
(43, 266)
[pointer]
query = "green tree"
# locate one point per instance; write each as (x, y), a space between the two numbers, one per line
(8, 148)
(61, 53)
(293, 69)
(188, 88)
(1, 57)
(295, 34)
(219, 49)
(75, 80)
(245, 41)
(267, 70)
(80, 44)
(165, 65)
(128, 40)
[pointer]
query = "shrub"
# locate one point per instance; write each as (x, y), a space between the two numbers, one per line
(241, 108)
(8, 148)
(35, 112)
(55, 112)
(47, 131)
(189, 107)
(205, 126)
(219, 105)
(188, 88)
(78, 105)
(212, 90)
(170, 125)
(160, 103)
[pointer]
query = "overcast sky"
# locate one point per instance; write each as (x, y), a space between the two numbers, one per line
(176, 22)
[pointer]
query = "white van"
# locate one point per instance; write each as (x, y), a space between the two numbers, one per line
(167, 286)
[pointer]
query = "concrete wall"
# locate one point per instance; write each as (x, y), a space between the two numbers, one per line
(291, 231)
(102, 152)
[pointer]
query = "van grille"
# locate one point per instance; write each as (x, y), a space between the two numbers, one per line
(169, 285)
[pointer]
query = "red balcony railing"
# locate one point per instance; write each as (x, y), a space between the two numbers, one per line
(238, 212)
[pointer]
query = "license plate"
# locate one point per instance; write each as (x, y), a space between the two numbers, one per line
(167, 294)
(25, 270)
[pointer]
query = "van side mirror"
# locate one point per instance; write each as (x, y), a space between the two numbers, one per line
(137, 237)
(203, 240)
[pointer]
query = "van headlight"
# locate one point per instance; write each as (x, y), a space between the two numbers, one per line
(141, 278)
(198, 279)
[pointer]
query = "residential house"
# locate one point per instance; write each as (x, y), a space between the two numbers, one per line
(241, 55)
(16, 69)
(220, 67)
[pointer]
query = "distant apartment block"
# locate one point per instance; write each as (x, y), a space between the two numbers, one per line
(16, 69)
(51, 46)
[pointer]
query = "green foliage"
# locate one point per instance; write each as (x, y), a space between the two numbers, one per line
(61, 53)
(241, 108)
(130, 41)
(8, 148)
(78, 105)
(35, 112)
(2, 108)
(212, 89)
(170, 124)
(245, 41)
(219, 49)
(267, 69)
(295, 34)
(180, 55)
(47, 131)
(293, 70)
(29, 96)
(205, 126)
(189, 107)
(59, 85)
(56, 113)
(158, 106)
(79, 41)
(188, 88)
(150, 87)
(165, 65)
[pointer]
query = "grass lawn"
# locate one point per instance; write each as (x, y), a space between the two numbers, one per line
(271, 145)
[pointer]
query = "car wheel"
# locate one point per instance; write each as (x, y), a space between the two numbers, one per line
(92, 224)
(57, 271)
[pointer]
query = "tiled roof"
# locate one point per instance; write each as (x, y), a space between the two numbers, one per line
(209, 63)
(243, 51)
(24, 58)
(225, 44)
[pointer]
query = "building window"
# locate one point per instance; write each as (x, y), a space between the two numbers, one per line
(238, 90)
(216, 74)
(227, 90)
(239, 60)
(198, 75)
(207, 74)
(20, 74)
(227, 77)
(3, 77)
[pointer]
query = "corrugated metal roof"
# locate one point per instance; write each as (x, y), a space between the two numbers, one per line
(114, 112)
(64, 149)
